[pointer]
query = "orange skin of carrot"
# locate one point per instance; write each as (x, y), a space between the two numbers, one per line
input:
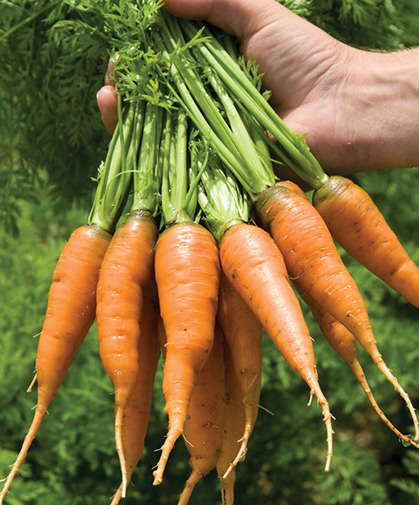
(243, 333)
(126, 269)
(137, 410)
(69, 315)
(260, 277)
(234, 426)
(254, 265)
(203, 428)
(343, 342)
(187, 275)
(359, 227)
(311, 257)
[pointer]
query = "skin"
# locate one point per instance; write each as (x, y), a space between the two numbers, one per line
(358, 106)
(69, 315)
(187, 276)
(243, 332)
(264, 286)
(311, 257)
(343, 342)
(359, 227)
(126, 269)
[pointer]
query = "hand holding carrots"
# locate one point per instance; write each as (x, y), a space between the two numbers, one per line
(193, 171)
(356, 105)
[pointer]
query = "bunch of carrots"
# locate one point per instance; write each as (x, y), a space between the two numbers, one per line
(160, 264)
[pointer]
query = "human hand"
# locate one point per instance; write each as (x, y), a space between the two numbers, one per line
(356, 107)
(107, 101)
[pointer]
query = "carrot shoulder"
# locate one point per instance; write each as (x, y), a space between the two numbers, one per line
(69, 315)
(187, 275)
(359, 227)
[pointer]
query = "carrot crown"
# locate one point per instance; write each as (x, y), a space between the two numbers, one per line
(221, 200)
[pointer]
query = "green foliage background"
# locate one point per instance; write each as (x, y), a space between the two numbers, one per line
(73, 460)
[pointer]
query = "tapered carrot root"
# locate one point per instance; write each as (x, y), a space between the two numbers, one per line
(137, 410)
(242, 331)
(261, 279)
(203, 428)
(187, 275)
(234, 425)
(343, 342)
(359, 227)
(69, 315)
(311, 257)
(126, 269)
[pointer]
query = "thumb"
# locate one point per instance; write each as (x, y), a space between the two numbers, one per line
(241, 18)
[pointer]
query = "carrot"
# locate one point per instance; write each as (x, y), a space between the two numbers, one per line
(243, 332)
(343, 342)
(69, 315)
(71, 303)
(203, 428)
(137, 410)
(253, 264)
(126, 269)
(359, 227)
(187, 275)
(311, 257)
(234, 427)
(261, 279)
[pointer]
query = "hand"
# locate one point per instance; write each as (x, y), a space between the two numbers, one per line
(108, 102)
(358, 107)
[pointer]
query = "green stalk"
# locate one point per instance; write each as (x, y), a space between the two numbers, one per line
(221, 201)
(147, 173)
(244, 140)
(165, 157)
(176, 189)
(296, 153)
(115, 174)
(210, 121)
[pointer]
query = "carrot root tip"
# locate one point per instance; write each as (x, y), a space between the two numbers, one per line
(120, 449)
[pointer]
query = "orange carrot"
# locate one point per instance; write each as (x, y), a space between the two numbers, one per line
(343, 342)
(311, 257)
(359, 227)
(187, 275)
(126, 269)
(242, 331)
(203, 428)
(234, 426)
(69, 315)
(137, 410)
(254, 265)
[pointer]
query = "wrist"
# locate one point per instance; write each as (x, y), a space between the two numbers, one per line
(382, 105)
